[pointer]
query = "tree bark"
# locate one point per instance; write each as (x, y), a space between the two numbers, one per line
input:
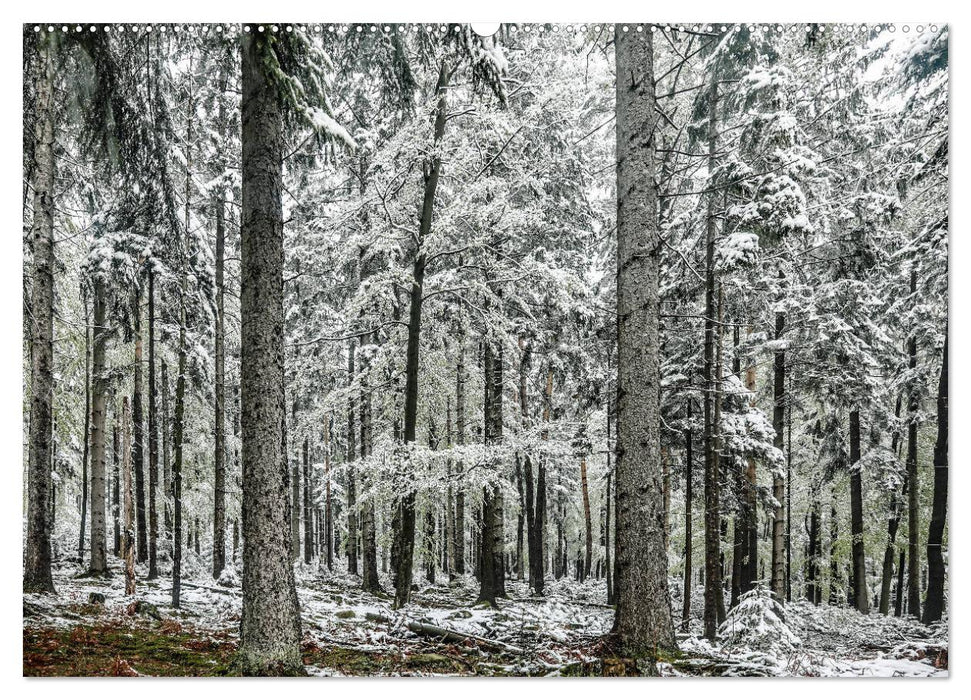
(813, 587)
(308, 506)
(85, 456)
(432, 171)
(138, 416)
(643, 618)
(152, 435)
(588, 540)
(688, 506)
(778, 482)
(491, 582)
(913, 500)
(116, 487)
(860, 595)
(351, 476)
(166, 454)
(99, 390)
(219, 458)
(459, 562)
(270, 626)
(40, 525)
(126, 450)
(893, 524)
(712, 508)
(934, 602)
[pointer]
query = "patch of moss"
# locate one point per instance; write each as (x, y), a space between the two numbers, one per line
(112, 649)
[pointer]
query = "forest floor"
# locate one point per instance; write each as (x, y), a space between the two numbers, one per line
(351, 633)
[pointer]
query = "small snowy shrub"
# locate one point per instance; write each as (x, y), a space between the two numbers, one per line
(758, 622)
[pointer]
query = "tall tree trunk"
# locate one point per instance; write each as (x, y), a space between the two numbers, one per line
(138, 416)
(351, 476)
(539, 516)
(460, 440)
(166, 453)
(688, 513)
(432, 171)
(99, 390)
(813, 587)
(833, 597)
(893, 524)
(116, 487)
(449, 497)
(913, 499)
(898, 603)
(295, 507)
(860, 595)
(126, 449)
(328, 513)
(270, 626)
(152, 435)
(643, 618)
(778, 482)
(219, 459)
(720, 470)
(308, 506)
(712, 509)
(85, 457)
(40, 525)
(588, 540)
(934, 603)
(369, 546)
(491, 580)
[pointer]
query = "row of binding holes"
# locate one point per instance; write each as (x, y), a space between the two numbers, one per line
(442, 28)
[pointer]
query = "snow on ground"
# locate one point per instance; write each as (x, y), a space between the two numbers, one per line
(555, 635)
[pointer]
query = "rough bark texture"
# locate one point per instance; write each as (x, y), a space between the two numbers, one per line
(688, 508)
(99, 391)
(219, 458)
(643, 620)
(432, 171)
(37, 563)
(460, 440)
(778, 482)
(588, 524)
(712, 509)
(934, 603)
(129, 545)
(893, 525)
(166, 453)
(152, 436)
(138, 416)
(86, 456)
(351, 476)
(860, 595)
(913, 501)
(308, 505)
(116, 487)
(492, 576)
(270, 626)
(814, 552)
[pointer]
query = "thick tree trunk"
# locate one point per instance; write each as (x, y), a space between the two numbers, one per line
(270, 626)
(893, 524)
(860, 595)
(152, 436)
(460, 440)
(40, 525)
(126, 449)
(99, 391)
(778, 483)
(85, 456)
(219, 459)
(913, 499)
(328, 512)
(492, 580)
(138, 416)
(432, 171)
(116, 487)
(178, 438)
(351, 476)
(643, 619)
(295, 508)
(934, 603)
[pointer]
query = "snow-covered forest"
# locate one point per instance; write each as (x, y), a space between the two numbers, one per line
(567, 350)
